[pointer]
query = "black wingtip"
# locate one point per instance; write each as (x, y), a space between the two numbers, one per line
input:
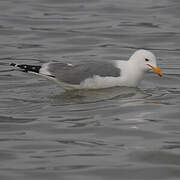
(26, 67)
(12, 64)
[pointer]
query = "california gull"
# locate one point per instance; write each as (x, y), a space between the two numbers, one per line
(97, 74)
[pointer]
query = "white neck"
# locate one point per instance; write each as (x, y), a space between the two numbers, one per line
(135, 74)
(131, 74)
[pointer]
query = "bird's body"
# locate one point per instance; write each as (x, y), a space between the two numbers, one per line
(97, 75)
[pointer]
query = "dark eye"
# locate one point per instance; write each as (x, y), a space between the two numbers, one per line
(146, 59)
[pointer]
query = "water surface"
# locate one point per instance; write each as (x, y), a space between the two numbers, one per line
(116, 133)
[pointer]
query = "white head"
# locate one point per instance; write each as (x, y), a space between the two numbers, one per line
(145, 60)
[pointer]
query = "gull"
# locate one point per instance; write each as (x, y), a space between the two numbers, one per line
(97, 74)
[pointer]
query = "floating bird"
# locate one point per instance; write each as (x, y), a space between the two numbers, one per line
(97, 74)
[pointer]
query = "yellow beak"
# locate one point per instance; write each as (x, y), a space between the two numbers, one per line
(156, 69)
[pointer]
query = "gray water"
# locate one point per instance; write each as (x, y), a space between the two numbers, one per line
(116, 133)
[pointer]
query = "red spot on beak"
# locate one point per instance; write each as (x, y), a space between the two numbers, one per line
(156, 69)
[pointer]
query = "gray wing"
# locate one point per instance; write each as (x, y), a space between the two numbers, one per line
(75, 74)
